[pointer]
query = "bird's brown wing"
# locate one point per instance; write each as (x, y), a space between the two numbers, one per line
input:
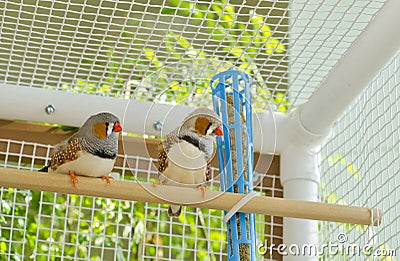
(163, 149)
(208, 171)
(64, 152)
(162, 158)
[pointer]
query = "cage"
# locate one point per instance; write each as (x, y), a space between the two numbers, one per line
(324, 99)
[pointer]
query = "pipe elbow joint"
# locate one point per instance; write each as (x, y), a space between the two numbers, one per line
(300, 151)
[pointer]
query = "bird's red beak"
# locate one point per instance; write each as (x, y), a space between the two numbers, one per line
(218, 131)
(117, 127)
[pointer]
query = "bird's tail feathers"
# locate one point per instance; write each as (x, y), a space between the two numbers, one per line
(45, 169)
(174, 210)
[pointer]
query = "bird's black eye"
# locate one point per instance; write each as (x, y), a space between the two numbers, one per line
(106, 123)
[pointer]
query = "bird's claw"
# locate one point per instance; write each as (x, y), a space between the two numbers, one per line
(107, 179)
(74, 179)
(203, 190)
(156, 184)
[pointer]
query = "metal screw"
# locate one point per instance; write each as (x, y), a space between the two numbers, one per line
(50, 109)
(158, 125)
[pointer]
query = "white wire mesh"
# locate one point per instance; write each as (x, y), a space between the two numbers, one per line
(320, 33)
(54, 226)
(109, 47)
(361, 166)
(13, 220)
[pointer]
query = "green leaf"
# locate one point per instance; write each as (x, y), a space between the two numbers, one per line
(3, 246)
(138, 232)
(183, 42)
(184, 7)
(273, 45)
(256, 19)
(230, 9)
(236, 51)
(82, 250)
(227, 20)
(6, 207)
(168, 11)
(150, 55)
(98, 241)
(265, 30)
(282, 101)
(217, 9)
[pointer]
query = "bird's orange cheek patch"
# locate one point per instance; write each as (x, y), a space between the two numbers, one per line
(201, 125)
(100, 130)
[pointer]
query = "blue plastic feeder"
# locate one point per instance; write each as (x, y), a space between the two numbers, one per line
(241, 226)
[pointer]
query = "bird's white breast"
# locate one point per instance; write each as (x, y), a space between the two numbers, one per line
(186, 165)
(87, 164)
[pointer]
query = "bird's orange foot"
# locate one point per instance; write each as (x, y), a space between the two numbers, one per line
(107, 179)
(74, 179)
(156, 184)
(203, 189)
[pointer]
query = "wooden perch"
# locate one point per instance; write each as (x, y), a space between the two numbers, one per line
(135, 191)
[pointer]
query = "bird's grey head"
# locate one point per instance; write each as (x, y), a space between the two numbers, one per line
(203, 121)
(199, 128)
(99, 134)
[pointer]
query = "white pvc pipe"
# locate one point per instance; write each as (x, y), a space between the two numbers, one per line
(372, 50)
(72, 109)
(297, 232)
(267, 128)
(300, 178)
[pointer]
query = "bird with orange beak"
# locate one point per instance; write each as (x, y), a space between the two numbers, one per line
(185, 153)
(89, 152)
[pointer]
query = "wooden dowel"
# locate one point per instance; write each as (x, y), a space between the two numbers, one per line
(135, 191)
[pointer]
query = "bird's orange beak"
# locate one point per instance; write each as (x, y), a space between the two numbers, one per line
(218, 131)
(117, 127)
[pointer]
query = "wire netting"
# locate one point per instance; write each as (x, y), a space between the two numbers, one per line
(53, 226)
(109, 47)
(360, 167)
(320, 34)
(167, 51)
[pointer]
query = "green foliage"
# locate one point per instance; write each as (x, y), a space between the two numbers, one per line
(241, 41)
(13, 221)
(67, 226)
(100, 229)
